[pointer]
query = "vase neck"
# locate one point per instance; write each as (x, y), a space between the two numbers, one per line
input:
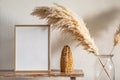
(105, 56)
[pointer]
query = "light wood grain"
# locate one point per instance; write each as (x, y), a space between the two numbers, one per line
(53, 73)
(30, 25)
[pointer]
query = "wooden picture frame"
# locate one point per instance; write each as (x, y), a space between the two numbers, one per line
(32, 48)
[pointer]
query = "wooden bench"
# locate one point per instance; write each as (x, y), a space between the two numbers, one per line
(52, 73)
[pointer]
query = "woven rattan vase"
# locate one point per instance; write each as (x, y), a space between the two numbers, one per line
(66, 62)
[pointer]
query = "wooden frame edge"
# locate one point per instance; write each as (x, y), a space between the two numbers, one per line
(15, 48)
(49, 49)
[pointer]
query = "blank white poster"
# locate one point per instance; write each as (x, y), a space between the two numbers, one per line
(31, 52)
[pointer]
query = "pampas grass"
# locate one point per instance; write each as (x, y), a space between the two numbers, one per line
(116, 39)
(58, 17)
(117, 36)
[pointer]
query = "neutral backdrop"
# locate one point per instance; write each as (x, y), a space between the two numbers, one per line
(100, 16)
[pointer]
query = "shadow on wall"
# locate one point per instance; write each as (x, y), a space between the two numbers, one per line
(59, 40)
(102, 21)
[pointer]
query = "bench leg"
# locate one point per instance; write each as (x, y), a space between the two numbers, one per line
(72, 78)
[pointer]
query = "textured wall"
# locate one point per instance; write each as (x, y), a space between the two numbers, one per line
(100, 17)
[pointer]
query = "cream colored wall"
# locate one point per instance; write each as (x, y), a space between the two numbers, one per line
(100, 17)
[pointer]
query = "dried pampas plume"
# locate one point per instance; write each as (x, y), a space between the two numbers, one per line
(58, 17)
(116, 39)
(117, 36)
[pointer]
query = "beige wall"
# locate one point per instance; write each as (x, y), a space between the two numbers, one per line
(99, 15)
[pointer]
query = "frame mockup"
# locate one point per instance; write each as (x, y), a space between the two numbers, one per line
(32, 47)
